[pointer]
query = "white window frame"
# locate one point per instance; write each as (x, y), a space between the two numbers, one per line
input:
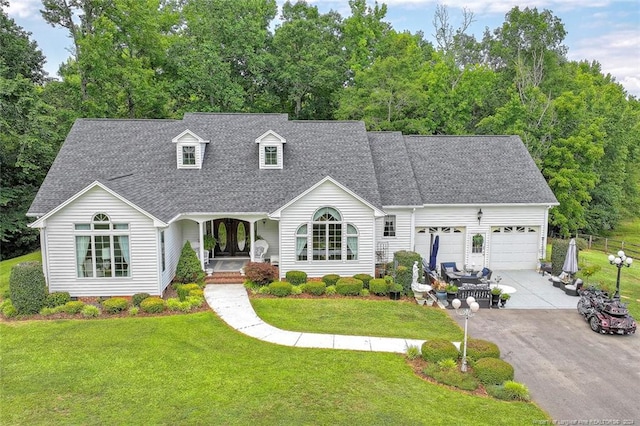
(390, 226)
(103, 261)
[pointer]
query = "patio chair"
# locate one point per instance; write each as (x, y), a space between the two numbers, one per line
(486, 273)
(574, 288)
(559, 281)
(260, 248)
(449, 270)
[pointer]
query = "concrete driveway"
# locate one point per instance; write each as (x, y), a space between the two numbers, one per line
(576, 375)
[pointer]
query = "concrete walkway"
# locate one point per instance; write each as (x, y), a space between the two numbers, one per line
(231, 303)
(533, 291)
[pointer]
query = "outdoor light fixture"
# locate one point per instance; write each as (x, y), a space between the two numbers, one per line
(466, 313)
(479, 215)
(264, 222)
(619, 261)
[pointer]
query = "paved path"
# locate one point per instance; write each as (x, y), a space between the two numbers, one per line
(231, 303)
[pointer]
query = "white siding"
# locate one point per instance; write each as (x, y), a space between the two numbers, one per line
(402, 240)
(352, 210)
(269, 232)
(173, 248)
(60, 241)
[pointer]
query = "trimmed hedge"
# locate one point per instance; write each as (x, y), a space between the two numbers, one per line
(493, 371)
(115, 305)
(152, 305)
(330, 279)
(379, 286)
(57, 298)
(296, 277)
(280, 288)
(260, 273)
(348, 286)
(316, 288)
(27, 287)
(558, 253)
(90, 311)
(189, 269)
(478, 348)
(73, 307)
(184, 290)
(436, 350)
(405, 276)
(365, 278)
(138, 298)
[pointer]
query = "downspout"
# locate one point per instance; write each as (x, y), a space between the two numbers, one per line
(45, 255)
(545, 232)
(159, 261)
(201, 239)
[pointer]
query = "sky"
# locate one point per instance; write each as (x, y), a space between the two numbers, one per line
(607, 31)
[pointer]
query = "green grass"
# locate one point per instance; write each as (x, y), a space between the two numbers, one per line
(6, 265)
(358, 317)
(193, 369)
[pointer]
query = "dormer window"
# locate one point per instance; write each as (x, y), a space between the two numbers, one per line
(271, 149)
(190, 150)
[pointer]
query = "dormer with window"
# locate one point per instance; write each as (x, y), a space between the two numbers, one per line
(189, 150)
(271, 150)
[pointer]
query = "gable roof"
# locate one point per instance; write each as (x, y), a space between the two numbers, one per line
(136, 159)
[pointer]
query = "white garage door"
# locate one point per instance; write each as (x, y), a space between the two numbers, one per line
(451, 246)
(514, 247)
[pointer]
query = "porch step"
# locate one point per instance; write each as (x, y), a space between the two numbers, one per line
(225, 278)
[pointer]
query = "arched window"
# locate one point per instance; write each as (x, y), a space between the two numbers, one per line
(102, 248)
(327, 234)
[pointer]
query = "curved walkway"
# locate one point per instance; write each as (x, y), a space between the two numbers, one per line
(231, 303)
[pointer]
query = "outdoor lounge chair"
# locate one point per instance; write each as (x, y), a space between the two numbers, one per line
(572, 289)
(560, 280)
(260, 248)
(449, 271)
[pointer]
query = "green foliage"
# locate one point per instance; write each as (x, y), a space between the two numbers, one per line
(365, 278)
(261, 273)
(152, 305)
(364, 292)
(509, 391)
(493, 371)
(264, 290)
(46, 311)
(195, 301)
(558, 253)
(189, 269)
(330, 279)
(348, 286)
(27, 287)
(197, 293)
(57, 298)
(73, 307)
(90, 311)
(378, 286)
(331, 290)
(115, 305)
(7, 308)
(446, 372)
(413, 352)
(138, 298)
(296, 277)
(297, 289)
(451, 288)
(404, 270)
(280, 288)
(436, 350)
(178, 305)
(478, 348)
(316, 288)
(134, 310)
(185, 290)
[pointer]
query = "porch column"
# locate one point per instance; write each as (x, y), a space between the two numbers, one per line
(201, 239)
(252, 227)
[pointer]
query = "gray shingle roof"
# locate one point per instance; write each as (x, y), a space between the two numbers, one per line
(137, 159)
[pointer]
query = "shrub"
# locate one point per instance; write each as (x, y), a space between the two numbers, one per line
(316, 288)
(189, 269)
(406, 259)
(447, 363)
(280, 288)
(195, 301)
(27, 287)
(365, 278)
(478, 348)
(8, 310)
(413, 352)
(403, 277)
(260, 273)
(115, 305)
(378, 286)
(177, 305)
(364, 292)
(348, 286)
(139, 297)
(330, 290)
(438, 349)
(558, 253)
(509, 391)
(296, 289)
(152, 305)
(198, 293)
(264, 290)
(445, 373)
(46, 311)
(493, 371)
(134, 310)
(296, 277)
(73, 307)
(330, 279)
(57, 298)
(90, 311)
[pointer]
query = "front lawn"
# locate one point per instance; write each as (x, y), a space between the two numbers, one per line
(193, 369)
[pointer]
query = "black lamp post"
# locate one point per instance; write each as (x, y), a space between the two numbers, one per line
(619, 261)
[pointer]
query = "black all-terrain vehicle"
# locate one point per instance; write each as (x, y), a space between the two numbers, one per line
(604, 314)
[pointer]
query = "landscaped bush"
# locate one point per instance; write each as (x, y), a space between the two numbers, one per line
(134, 310)
(330, 290)
(296, 277)
(27, 287)
(198, 293)
(378, 286)
(558, 253)
(365, 278)
(115, 305)
(296, 289)
(280, 288)
(177, 305)
(264, 290)
(46, 311)
(90, 311)
(447, 372)
(478, 348)
(189, 269)
(509, 391)
(330, 279)
(493, 371)
(260, 273)
(317, 288)
(152, 305)
(139, 297)
(57, 298)
(7, 308)
(413, 352)
(404, 276)
(435, 350)
(73, 307)
(364, 292)
(195, 301)
(348, 286)
(184, 290)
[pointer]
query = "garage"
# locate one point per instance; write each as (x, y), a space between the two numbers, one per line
(451, 246)
(514, 247)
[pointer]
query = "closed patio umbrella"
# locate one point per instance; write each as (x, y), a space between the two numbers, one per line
(570, 265)
(434, 253)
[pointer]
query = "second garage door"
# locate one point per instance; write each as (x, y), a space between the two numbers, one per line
(514, 247)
